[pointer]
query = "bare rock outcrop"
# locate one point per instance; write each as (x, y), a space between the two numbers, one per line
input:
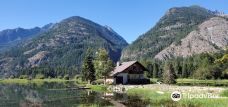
(37, 58)
(211, 36)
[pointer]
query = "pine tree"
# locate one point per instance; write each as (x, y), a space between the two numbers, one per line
(155, 70)
(169, 74)
(150, 70)
(184, 70)
(88, 71)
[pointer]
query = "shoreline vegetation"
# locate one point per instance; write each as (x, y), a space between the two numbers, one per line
(155, 96)
(179, 82)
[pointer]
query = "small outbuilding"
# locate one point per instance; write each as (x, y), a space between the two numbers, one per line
(131, 72)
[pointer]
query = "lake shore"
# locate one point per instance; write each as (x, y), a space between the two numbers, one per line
(172, 88)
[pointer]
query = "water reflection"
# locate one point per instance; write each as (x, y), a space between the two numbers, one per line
(66, 94)
(48, 95)
(122, 99)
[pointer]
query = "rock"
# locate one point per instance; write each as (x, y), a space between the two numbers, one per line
(211, 36)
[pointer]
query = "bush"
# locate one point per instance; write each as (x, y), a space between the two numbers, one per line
(98, 82)
(12, 77)
(39, 76)
(77, 77)
(60, 77)
(66, 77)
(203, 74)
(23, 77)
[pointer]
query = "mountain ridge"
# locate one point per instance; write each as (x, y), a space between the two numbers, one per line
(11, 37)
(64, 45)
(175, 25)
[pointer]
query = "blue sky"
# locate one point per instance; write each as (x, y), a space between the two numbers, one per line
(129, 18)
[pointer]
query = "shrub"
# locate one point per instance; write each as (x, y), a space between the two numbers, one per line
(39, 76)
(60, 77)
(23, 77)
(202, 74)
(12, 77)
(66, 77)
(98, 82)
(77, 77)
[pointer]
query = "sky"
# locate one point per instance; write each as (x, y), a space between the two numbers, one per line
(129, 18)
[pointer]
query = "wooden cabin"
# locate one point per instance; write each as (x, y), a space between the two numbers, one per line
(131, 72)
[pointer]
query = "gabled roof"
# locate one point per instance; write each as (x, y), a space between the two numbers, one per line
(122, 67)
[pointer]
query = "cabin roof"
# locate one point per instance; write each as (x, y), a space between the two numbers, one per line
(123, 67)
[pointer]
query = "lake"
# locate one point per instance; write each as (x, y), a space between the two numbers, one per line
(64, 94)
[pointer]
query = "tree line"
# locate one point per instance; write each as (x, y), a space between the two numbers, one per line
(95, 66)
(202, 66)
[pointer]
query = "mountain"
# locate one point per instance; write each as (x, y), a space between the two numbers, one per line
(175, 25)
(11, 37)
(63, 45)
(210, 36)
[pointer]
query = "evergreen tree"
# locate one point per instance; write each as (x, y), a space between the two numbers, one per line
(150, 70)
(88, 71)
(184, 70)
(155, 70)
(103, 64)
(169, 74)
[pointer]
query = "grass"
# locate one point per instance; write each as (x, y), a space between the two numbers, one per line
(163, 99)
(224, 93)
(155, 98)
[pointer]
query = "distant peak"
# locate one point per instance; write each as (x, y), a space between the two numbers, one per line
(74, 18)
(184, 9)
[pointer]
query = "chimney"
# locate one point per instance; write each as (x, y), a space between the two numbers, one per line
(117, 63)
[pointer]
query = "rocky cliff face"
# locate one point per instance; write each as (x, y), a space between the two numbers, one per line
(175, 25)
(211, 36)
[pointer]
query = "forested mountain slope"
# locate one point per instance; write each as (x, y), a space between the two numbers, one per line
(63, 46)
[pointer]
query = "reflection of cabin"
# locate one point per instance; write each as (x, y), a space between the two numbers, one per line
(131, 72)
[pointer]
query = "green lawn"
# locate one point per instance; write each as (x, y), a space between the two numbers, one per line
(163, 99)
(224, 93)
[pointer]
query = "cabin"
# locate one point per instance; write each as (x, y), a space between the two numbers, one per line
(131, 72)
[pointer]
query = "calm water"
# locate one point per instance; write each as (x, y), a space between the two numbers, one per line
(60, 95)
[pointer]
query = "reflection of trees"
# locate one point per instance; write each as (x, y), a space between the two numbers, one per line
(19, 96)
(47, 95)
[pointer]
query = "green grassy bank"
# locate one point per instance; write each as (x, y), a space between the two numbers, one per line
(163, 99)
